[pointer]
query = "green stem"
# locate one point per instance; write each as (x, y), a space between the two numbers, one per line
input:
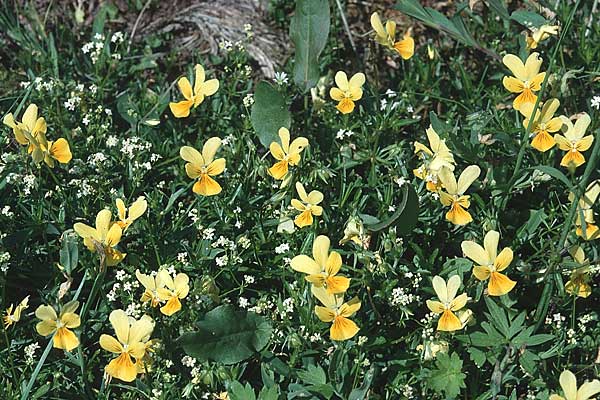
(10, 357)
(36, 371)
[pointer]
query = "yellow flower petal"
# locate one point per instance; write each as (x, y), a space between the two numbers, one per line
(343, 329)
(279, 170)
(206, 186)
(216, 167)
(324, 314)
(46, 327)
(345, 106)
(516, 66)
(122, 368)
(458, 215)
(65, 339)
(305, 264)
(305, 218)
(60, 151)
(337, 284)
(120, 323)
(435, 306)
(44, 312)
(405, 47)
(111, 344)
(482, 272)
(449, 322)
(504, 259)
(181, 109)
(173, 305)
(500, 284)
(185, 88)
(543, 141)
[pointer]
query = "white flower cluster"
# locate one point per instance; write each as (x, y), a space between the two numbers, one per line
(248, 100)
(40, 85)
(30, 352)
(343, 133)
(400, 297)
(134, 145)
(556, 320)
(84, 188)
(595, 102)
(4, 259)
(282, 248)
(95, 47)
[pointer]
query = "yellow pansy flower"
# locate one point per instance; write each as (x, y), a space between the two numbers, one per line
(578, 283)
(132, 336)
(30, 126)
(586, 202)
(489, 264)
(13, 316)
(285, 153)
(128, 215)
(453, 195)
(322, 269)
(105, 236)
(307, 205)
(527, 78)
(574, 140)
(568, 382)
(173, 290)
(195, 96)
(347, 92)
(48, 151)
(387, 37)
(543, 125)
(59, 325)
(448, 302)
(203, 166)
(337, 312)
(434, 157)
(540, 34)
(151, 285)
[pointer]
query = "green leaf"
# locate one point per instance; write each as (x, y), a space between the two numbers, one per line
(447, 378)
(309, 29)
(498, 317)
(499, 7)
(269, 113)
(239, 392)
(270, 393)
(227, 335)
(69, 253)
(360, 392)
(406, 215)
(437, 20)
(477, 356)
(528, 18)
(553, 172)
(313, 375)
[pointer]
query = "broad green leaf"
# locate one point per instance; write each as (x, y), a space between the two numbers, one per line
(309, 29)
(228, 336)
(447, 378)
(499, 7)
(528, 18)
(269, 113)
(498, 317)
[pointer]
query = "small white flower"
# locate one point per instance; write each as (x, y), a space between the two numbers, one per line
(595, 102)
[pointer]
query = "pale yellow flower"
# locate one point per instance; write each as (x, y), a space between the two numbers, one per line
(128, 215)
(527, 78)
(193, 97)
(203, 166)
(59, 325)
(151, 285)
(105, 236)
(131, 342)
(568, 382)
(448, 302)
(540, 34)
(386, 36)
(285, 153)
(434, 157)
(578, 284)
(489, 264)
(453, 195)
(307, 205)
(585, 209)
(172, 291)
(336, 311)
(13, 316)
(574, 141)
(347, 92)
(322, 268)
(543, 125)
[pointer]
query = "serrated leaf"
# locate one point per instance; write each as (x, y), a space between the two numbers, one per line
(227, 335)
(498, 317)
(309, 29)
(447, 378)
(237, 391)
(269, 113)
